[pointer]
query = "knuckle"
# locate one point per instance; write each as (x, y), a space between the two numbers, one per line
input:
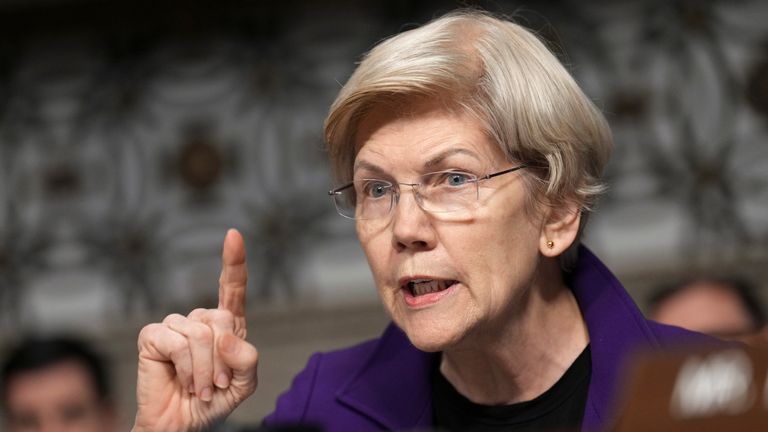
(222, 316)
(177, 342)
(201, 333)
(149, 333)
(173, 318)
(148, 330)
(178, 348)
(179, 354)
(249, 354)
(183, 367)
(197, 313)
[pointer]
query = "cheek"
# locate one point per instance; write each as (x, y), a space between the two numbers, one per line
(493, 252)
(365, 237)
(374, 246)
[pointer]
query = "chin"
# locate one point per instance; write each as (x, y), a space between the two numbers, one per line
(432, 336)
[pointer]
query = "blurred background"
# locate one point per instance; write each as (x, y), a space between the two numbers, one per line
(133, 134)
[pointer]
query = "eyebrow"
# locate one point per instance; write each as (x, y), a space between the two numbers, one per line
(440, 157)
(361, 164)
(431, 163)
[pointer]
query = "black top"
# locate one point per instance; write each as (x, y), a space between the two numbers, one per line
(561, 408)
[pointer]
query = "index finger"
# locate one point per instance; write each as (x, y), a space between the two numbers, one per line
(234, 274)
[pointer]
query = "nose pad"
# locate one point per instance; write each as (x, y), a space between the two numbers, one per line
(417, 198)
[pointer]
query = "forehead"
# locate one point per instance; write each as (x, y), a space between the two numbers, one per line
(64, 381)
(416, 133)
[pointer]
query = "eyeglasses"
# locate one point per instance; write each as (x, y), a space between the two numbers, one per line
(450, 191)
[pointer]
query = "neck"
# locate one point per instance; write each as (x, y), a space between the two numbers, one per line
(522, 357)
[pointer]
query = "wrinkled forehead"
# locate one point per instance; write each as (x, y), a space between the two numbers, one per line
(422, 133)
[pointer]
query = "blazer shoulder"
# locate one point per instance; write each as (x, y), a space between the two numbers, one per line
(317, 384)
(670, 336)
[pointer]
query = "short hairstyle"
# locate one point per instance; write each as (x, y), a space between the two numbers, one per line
(38, 353)
(504, 76)
(743, 290)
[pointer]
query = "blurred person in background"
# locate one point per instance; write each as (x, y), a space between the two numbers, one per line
(56, 384)
(724, 307)
(469, 159)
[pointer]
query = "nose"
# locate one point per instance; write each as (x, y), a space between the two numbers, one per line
(411, 225)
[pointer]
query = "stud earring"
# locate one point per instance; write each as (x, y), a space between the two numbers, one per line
(550, 244)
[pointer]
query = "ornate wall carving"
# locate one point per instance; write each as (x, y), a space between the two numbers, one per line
(131, 140)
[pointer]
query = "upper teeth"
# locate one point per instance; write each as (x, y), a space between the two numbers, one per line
(425, 286)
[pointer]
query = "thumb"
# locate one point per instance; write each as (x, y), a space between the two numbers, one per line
(242, 358)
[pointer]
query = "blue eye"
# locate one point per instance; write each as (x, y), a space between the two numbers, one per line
(456, 179)
(376, 189)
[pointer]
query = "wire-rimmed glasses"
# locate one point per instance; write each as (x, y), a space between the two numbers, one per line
(448, 191)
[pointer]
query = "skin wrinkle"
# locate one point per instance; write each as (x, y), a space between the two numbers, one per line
(519, 330)
(431, 164)
(497, 328)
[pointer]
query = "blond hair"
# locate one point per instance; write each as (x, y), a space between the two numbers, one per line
(503, 75)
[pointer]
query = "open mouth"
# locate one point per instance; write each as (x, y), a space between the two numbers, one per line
(418, 287)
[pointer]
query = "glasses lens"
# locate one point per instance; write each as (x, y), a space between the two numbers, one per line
(364, 199)
(344, 200)
(449, 191)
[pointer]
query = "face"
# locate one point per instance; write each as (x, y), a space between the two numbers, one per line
(59, 398)
(479, 267)
(708, 308)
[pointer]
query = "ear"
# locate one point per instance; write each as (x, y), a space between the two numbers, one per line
(560, 229)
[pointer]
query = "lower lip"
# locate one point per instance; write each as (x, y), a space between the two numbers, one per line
(427, 299)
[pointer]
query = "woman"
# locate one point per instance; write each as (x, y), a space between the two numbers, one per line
(468, 158)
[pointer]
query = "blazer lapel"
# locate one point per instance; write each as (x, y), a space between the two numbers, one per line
(616, 328)
(393, 386)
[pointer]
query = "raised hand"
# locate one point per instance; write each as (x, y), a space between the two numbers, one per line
(197, 368)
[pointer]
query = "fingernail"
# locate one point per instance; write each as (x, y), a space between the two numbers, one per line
(207, 394)
(222, 381)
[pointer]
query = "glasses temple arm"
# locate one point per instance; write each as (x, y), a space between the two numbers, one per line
(338, 190)
(506, 171)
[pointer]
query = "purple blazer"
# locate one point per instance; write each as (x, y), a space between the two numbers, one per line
(384, 384)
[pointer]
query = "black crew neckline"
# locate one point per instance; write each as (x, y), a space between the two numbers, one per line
(575, 379)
